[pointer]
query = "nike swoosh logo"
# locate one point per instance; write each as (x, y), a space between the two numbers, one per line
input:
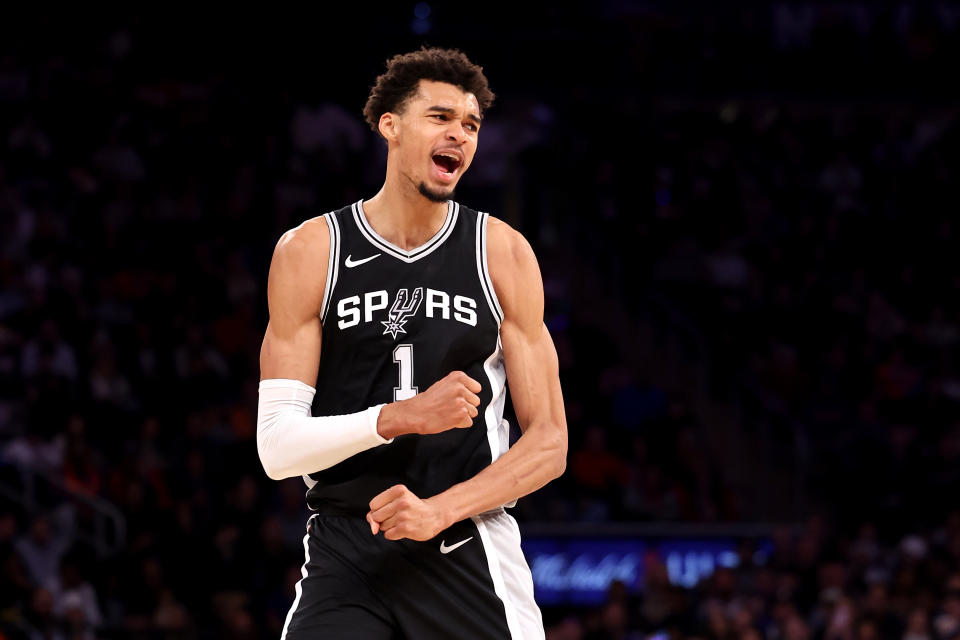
(350, 264)
(444, 549)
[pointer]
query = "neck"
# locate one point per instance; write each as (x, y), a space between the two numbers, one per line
(402, 215)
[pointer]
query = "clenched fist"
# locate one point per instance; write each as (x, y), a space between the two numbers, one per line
(449, 403)
(399, 513)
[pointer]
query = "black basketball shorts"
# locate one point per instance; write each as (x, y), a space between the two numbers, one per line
(471, 581)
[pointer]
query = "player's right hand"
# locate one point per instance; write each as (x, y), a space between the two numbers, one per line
(449, 403)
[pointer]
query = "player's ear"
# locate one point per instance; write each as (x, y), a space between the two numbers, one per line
(388, 126)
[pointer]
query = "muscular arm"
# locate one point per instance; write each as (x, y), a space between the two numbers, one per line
(539, 455)
(298, 274)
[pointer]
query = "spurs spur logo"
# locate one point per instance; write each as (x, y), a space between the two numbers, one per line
(402, 308)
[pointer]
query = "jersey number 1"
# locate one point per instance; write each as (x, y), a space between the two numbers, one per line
(403, 356)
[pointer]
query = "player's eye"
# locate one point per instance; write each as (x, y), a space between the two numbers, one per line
(441, 116)
(472, 127)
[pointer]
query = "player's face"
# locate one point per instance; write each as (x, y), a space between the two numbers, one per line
(437, 137)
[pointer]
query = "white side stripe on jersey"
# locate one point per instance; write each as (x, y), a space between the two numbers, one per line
(333, 267)
(333, 264)
(485, 282)
(493, 414)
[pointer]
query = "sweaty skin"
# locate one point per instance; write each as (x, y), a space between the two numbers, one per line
(439, 117)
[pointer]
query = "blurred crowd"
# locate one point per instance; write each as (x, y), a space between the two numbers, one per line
(816, 248)
(141, 195)
(817, 583)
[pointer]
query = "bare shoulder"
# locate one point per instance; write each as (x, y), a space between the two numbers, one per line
(506, 247)
(298, 270)
(306, 246)
(513, 269)
(305, 241)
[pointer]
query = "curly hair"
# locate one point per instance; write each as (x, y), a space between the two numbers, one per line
(405, 71)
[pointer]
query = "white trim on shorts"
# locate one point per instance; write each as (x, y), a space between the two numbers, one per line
(298, 589)
(512, 580)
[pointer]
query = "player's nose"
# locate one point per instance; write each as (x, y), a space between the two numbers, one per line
(455, 132)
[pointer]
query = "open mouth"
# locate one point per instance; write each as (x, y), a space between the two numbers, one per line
(446, 162)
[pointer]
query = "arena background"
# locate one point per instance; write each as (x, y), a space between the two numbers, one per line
(745, 218)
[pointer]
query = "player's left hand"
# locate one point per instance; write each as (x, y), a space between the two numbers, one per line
(399, 513)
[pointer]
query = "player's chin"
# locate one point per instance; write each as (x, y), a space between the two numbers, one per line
(436, 193)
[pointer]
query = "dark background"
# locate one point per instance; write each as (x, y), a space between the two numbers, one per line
(745, 218)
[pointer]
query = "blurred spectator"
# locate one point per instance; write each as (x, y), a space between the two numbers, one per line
(73, 597)
(42, 548)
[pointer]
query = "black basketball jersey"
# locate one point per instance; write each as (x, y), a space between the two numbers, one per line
(395, 322)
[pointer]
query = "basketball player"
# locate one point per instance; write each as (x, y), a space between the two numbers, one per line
(395, 322)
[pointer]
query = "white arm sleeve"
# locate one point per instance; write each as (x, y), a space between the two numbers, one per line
(291, 443)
